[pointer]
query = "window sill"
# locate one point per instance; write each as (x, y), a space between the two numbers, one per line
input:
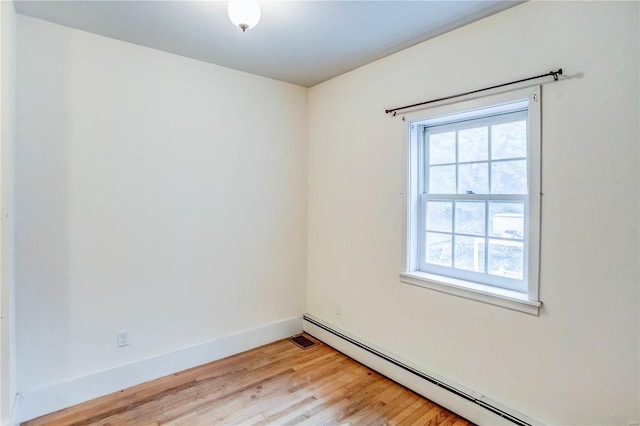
(496, 296)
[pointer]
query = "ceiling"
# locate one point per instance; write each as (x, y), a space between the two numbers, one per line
(302, 42)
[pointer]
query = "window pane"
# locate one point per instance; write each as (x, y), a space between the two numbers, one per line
(509, 177)
(470, 253)
(438, 249)
(506, 219)
(470, 217)
(473, 144)
(506, 258)
(473, 178)
(442, 180)
(509, 140)
(442, 148)
(439, 216)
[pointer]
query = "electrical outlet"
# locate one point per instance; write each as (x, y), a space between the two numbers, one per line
(338, 309)
(123, 338)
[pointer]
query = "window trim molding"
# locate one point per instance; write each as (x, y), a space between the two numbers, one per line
(493, 295)
(410, 274)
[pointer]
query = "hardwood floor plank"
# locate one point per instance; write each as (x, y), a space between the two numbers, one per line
(412, 418)
(451, 420)
(419, 402)
(394, 408)
(186, 420)
(275, 384)
(332, 396)
(240, 407)
(363, 399)
(394, 396)
(431, 417)
(272, 416)
(306, 393)
(221, 392)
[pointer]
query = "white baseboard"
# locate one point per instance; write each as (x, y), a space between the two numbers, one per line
(62, 395)
(15, 402)
(469, 408)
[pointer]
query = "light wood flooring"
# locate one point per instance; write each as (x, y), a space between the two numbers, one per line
(278, 384)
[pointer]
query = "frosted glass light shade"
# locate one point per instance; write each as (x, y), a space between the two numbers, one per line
(244, 14)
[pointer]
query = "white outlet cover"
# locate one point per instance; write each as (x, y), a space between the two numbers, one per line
(123, 338)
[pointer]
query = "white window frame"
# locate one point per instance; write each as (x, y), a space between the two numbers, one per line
(520, 299)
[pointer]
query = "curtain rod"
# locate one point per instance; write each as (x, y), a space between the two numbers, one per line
(553, 74)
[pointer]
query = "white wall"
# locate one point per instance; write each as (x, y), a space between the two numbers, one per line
(575, 363)
(7, 145)
(154, 193)
(167, 196)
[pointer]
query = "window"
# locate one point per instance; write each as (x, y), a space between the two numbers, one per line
(474, 199)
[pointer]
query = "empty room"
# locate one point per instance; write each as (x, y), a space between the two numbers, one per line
(320, 212)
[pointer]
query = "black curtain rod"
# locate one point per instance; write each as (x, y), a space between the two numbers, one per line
(553, 74)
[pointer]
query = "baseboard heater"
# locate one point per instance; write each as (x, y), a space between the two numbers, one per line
(445, 386)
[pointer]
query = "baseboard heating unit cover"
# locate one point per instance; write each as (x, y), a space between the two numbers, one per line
(302, 341)
(464, 402)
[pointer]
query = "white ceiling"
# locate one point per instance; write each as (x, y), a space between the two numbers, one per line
(302, 42)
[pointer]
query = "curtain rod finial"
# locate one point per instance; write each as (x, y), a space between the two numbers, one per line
(556, 74)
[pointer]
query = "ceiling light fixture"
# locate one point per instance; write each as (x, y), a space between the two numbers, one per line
(244, 14)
